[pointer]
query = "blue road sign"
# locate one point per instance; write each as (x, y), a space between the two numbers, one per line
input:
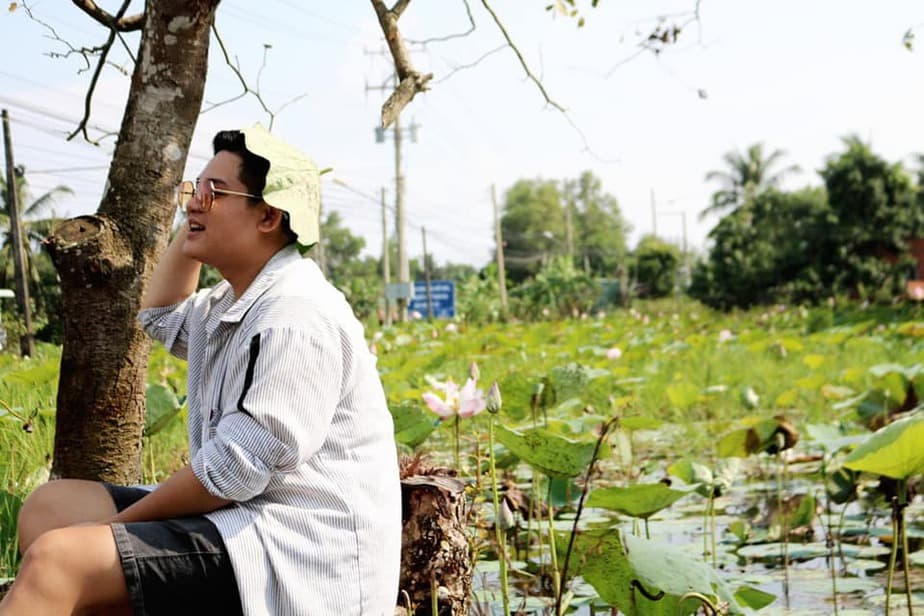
(442, 297)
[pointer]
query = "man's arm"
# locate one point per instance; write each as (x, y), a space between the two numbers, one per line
(174, 278)
(180, 496)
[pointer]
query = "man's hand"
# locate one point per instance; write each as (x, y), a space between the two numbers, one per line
(174, 278)
(182, 495)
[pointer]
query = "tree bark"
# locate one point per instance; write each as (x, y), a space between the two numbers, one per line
(434, 547)
(105, 260)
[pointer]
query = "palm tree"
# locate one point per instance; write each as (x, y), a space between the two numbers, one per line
(35, 229)
(746, 175)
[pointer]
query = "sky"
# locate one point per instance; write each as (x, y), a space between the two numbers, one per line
(796, 75)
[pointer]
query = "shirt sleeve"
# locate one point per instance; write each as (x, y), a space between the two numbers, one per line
(291, 389)
(169, 325)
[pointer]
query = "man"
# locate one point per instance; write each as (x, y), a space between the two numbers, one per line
(291, 502)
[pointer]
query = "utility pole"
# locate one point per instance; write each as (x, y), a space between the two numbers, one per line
(322, 259)
(404, 271)
(686, 264)
(499, 240)
(386, 268)
(654, 215)
(27, 342)
(569, 229)
(423, 232)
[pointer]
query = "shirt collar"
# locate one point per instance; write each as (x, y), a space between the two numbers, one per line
(261, 283)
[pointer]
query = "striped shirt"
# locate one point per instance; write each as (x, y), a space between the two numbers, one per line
(287, 417)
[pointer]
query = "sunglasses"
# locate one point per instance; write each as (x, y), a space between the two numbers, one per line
(186, 190)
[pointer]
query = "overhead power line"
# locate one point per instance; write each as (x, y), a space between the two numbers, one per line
(68, 170)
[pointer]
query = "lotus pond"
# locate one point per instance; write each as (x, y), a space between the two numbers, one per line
(664, 459)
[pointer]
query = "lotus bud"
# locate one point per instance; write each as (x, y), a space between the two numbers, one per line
(493, 401)
(505, 517)
(473, 372)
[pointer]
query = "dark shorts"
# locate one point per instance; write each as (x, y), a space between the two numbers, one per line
(174, 567)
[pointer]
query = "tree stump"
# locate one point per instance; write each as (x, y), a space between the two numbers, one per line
(435, 554)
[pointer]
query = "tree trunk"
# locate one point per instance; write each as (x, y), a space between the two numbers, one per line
(105, 260)
(434, 547)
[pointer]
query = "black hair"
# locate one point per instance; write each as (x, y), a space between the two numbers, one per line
(252, 172)
(253, 167)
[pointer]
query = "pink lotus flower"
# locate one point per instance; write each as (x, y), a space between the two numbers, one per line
(725, 335)
(465, 402)
(614, 353)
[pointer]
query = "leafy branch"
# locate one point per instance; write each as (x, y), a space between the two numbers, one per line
(662, 36)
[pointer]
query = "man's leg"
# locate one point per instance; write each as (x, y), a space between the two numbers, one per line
(62, 503)
(68, 570)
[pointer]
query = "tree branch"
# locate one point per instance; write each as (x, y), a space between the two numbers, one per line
(449, 37)
(476, 62)
(88, 99)
(246, 89)
(113, 22)
(516, 50)
(661, 37)
(399, 7)
(410, 81)
(103, 53)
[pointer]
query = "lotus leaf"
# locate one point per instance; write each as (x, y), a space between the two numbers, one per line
(412, 424)
(551, 454)
(162, 405)
(629, 572)
(638, 501)
(893, 451)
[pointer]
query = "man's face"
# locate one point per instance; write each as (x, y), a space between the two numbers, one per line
(226, 235)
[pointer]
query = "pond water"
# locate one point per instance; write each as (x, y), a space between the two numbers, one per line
(804, 589)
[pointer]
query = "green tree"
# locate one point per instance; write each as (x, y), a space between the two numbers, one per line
(559, 290)
(876, 214)
(359, 279)
(746, 175)
(767, 252)
(533, 226)
(600, 235)
(341, 247)
(656, 266)
(37, 226)
(535, 229)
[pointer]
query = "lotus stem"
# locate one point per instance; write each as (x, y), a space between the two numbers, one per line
(829, 536)
(556, 574)
(703, 599)
(604, 430)
(456, 439)
(706, 531)
(712, 527)
(840, 544)
(500, 533)
(892, 556)
(784, 518)
(829, 542)
(903, 502)
(651, 596)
